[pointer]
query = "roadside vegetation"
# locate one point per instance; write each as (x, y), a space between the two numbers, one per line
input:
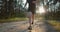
(55, 24)
(12, 20)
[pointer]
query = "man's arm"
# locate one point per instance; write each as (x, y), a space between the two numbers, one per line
(25, 4)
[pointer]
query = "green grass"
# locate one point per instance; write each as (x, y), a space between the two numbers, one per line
(55, 24)
(12, 20)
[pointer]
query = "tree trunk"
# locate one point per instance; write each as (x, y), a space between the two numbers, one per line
(11, 8)
(4, 9)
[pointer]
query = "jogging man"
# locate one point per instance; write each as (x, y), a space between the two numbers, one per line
(31, 10)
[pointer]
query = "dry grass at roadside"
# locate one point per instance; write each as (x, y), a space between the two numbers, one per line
(55, 24)
(12, 20)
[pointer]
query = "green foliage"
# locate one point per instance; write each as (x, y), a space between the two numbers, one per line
(11, 12)
(21, 14)
(53, 9)
(53, 15)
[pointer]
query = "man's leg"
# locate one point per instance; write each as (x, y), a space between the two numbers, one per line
(32, 18)
(30, 21)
